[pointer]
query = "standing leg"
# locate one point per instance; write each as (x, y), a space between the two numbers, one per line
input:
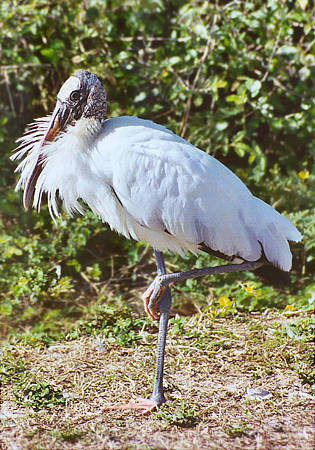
(164, 307)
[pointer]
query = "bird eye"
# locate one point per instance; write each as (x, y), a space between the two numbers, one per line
(74, 96)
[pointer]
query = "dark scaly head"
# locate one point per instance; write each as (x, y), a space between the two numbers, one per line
(81, 96)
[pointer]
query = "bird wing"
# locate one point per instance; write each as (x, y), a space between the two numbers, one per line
(168, 186)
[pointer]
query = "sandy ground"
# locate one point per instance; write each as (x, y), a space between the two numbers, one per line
(213, 380)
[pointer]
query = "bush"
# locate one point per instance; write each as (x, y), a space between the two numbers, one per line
(234, 78)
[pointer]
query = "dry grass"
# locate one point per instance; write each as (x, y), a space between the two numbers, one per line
(234, 355)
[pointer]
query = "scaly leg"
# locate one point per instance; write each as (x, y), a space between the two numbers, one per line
(155, 291)
(163, 305)
(164, 308)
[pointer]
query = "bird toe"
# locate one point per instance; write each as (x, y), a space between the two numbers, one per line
(144, 405)
(151, 298)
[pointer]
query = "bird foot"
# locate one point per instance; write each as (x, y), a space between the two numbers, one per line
(145, 405)
(152, 296)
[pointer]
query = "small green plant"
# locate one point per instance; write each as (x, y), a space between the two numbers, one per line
(306, 374)
(38, 395)
(115, 322)
(178, 326)
(11, 368)
(300, 329)
(238, 429)
(181, 326)
(68, 434)
(185, 416)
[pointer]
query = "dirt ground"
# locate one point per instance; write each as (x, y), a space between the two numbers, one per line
(207, 378)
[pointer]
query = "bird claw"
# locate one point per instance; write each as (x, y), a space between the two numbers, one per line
(152, 296)
(147, 406)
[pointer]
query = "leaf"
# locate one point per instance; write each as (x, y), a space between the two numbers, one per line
(238, 99)
(201, 31)
(220, 126)
(11, 251)
(241, 148)
(49, 53)
(303, 4)
(221, 84)
(233, 98)
(287, 50)
(255, 88)
(141, 96)
(198, 101)
(172, 61)
(6, 308)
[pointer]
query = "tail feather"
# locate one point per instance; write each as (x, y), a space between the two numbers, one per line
(276, 248)
(287, 228)
(274, 232)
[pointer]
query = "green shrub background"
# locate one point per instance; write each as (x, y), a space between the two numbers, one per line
(234, 78)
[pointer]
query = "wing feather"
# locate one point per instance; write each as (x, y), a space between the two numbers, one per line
(165, 183)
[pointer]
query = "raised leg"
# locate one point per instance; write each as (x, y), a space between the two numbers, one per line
(154, 292)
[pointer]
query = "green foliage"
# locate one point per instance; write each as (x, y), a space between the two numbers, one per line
(300, 329)
(179, 326)
(237, 430)
(234, 78)
(68, 434)
(48, 265)
(306, 374)
(38, 395)
(11, 368)
(28, 391)
(185, 416)
(115, 323)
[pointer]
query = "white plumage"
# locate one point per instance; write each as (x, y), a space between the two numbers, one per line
(151, 185)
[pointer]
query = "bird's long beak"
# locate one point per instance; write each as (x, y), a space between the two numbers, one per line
(59, 120)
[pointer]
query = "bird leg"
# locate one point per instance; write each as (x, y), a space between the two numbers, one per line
(163, 303)
(153, 294)
(158, 298)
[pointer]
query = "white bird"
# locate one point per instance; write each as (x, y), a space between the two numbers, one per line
(150, 185)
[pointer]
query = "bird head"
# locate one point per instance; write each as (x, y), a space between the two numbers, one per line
(82, 96)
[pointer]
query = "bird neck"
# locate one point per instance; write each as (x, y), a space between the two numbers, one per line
(87, 129)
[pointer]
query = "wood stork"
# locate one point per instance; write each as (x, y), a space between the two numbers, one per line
(151, 185)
